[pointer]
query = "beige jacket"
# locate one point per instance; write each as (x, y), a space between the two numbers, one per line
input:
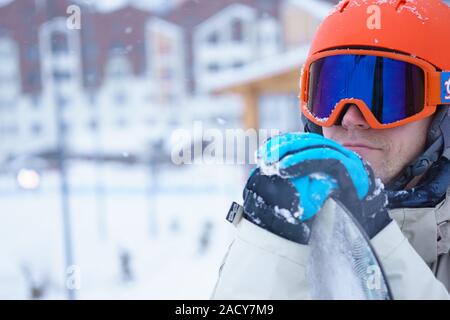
(414, 251)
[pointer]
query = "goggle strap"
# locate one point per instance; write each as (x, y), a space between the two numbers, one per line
(434, 88)
(429, 157)
(420, 165)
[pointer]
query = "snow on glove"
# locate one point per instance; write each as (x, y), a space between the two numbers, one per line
(297, 173)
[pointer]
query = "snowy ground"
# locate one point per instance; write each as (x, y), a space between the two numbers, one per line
(159, 220)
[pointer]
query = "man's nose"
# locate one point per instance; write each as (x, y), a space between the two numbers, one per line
(354, 119)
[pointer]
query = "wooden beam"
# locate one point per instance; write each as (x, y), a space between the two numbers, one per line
(287, 82)
(250, 115)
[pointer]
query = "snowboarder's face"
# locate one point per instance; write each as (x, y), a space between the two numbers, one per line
(388, 151)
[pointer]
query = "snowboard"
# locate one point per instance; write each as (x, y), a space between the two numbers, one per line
(342, 262)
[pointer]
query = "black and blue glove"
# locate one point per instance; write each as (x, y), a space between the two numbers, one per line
(297, 173)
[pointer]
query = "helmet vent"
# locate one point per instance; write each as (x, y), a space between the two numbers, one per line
(399, 4)
(344, 5)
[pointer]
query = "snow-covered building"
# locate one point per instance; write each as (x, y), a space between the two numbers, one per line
(223, 35)
(130, 75)
(269, 86)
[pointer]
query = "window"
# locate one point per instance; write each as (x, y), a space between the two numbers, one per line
(118, 48)
(33, 78)
(213, 67)
(32, 53)
(35, 101)
(91, 77)
(238, 64)
(118, 66)
(62, 101)
(36, 129)
(213, 38)
(59, 75)
(237, 32)
(65, 127)
(59, 43)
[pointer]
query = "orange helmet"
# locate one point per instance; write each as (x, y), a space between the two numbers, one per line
(418, 28)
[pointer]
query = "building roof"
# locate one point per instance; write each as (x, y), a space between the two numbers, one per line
(189, 15)
(285, 68)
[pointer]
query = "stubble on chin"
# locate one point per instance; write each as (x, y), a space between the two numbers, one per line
(383, 164)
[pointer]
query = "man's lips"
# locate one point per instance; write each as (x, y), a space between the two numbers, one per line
(353, 146)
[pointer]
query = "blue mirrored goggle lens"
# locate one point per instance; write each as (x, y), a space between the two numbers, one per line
(392, 89)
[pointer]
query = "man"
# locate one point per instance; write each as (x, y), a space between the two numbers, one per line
(375, 84)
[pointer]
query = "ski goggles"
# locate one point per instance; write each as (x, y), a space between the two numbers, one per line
(390, 89)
